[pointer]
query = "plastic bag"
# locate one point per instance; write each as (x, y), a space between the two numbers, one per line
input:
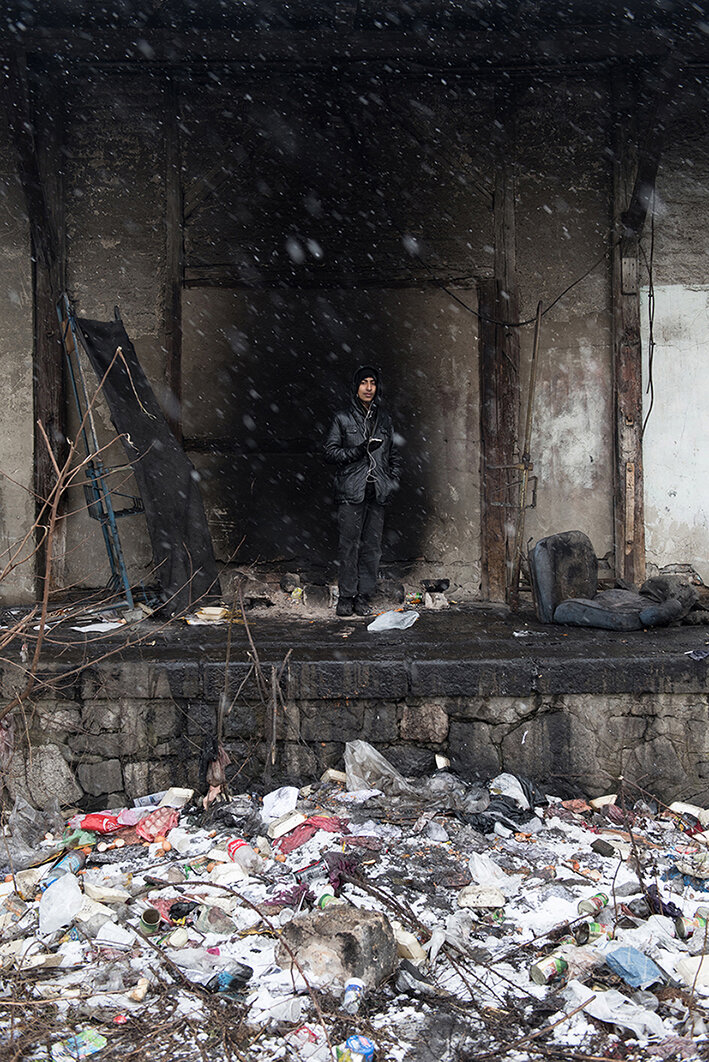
(390, 621)
(60, 902)
(616, 1009)
(368, 769)
(28, 826)
(279, 802)
(636, 969)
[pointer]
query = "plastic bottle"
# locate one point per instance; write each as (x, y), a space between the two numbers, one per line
(354, 990)
(235, 977)
(68, 864)
(326, 896)
(241, 853)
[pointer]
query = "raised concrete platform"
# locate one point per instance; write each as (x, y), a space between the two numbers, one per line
(129, 712)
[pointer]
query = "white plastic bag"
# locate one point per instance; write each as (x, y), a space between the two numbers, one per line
(279, 802)
(60, 902)
(614, 1008)
(393, 620)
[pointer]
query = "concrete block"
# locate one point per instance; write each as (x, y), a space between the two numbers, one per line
(138, 680)
(244, 720)
(40, 773)
(379, 722)
(59, 720)
(135, 777)
(333, 679)
(213, 680)
(424, 722)
(161, 775)
(184, 680)
(100, 716)
(333, 945)
(99, 778)
(471, 750)
(163, 719)
(328, 722)
(201, 719)
(301, 762)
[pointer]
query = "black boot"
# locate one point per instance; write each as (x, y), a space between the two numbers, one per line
(362, 606)
(345, 606)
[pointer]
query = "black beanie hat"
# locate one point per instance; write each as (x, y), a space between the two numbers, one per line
(362, 372)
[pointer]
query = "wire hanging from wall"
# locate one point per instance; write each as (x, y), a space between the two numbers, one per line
(650, 389)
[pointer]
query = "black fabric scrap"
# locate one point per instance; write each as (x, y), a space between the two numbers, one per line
(501, 809)
(659, 906)
(183, 554)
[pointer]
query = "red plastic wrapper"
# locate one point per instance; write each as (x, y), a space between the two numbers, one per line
(157, 824)
(100, 822)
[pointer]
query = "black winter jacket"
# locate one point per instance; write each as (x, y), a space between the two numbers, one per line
(347, 447)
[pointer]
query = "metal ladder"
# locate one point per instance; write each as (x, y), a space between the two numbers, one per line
(99, 504)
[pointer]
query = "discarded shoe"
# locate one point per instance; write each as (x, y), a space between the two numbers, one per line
(345, 606)
(362, 607)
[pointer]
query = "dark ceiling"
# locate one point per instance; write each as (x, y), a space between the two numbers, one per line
(498, 31)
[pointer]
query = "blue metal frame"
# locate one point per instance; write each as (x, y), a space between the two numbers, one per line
(98, 494)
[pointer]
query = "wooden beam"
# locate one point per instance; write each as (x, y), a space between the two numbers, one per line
(479, 52)
(174, 259)
(628, 502)
(499, 399)
(499, 372)
(634, 177)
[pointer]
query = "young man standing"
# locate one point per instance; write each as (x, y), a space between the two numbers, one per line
(360, 443)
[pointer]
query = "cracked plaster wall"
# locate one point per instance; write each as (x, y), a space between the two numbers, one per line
(674, 444)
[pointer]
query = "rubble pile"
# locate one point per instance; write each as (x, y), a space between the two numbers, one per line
(368, 916)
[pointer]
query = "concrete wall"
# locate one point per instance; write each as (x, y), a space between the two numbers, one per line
(280, 368)
(17, 507)
(115, 222)
(563, 212)
(344, 205)
(674, 444)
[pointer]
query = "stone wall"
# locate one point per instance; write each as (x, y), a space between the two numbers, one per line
(115, 732)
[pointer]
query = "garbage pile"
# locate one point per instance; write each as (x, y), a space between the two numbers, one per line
(368, 916)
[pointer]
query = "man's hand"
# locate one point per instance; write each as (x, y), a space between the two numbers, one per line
(374, 444)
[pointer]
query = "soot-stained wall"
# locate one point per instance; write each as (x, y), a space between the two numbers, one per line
(564, 195)
(330, 222)
(17, 508)
(339, 221)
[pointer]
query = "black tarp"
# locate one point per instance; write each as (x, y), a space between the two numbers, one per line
(183, 554)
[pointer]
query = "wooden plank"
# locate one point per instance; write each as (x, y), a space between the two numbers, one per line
(628, 502)
(478, 53)
(174, 259)
(499, 399)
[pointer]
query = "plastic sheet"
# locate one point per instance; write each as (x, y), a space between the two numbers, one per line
(393, 620)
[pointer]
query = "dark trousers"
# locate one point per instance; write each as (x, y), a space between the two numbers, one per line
(360, 549)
